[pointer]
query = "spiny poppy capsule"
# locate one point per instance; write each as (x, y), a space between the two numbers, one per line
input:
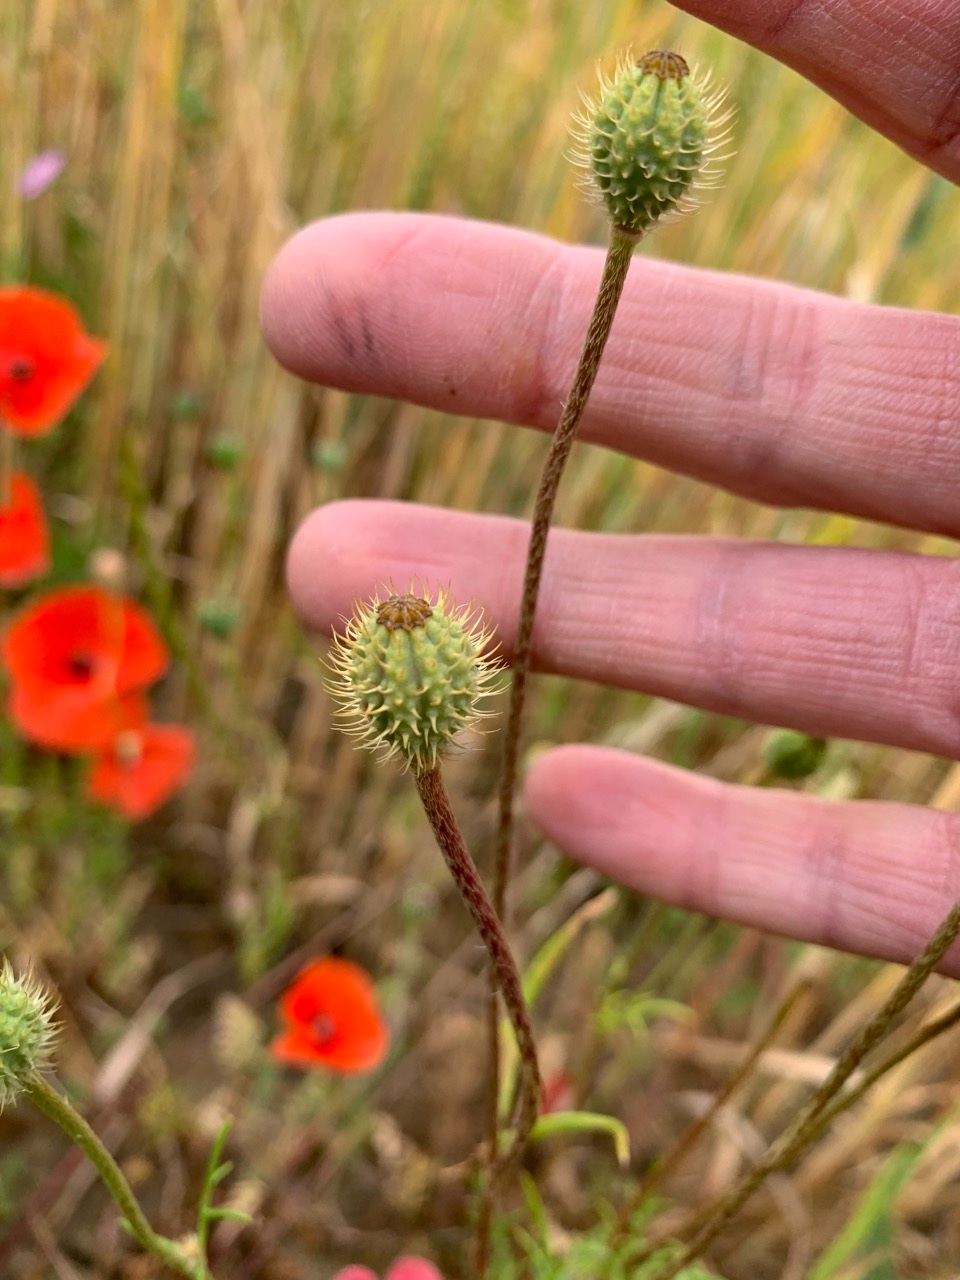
(409, 674)
(27, 1030)
(646, 142)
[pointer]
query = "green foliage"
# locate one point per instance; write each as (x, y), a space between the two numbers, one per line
(540, 1252)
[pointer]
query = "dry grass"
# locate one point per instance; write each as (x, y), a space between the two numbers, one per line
(200, 135)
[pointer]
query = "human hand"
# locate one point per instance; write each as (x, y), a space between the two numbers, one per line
(777, 393)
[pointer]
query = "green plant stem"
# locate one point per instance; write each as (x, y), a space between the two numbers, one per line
(807, 1124)
(436, 803)
(56, 1107)
(615, 268)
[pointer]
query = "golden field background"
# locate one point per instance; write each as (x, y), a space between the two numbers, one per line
(199, 137)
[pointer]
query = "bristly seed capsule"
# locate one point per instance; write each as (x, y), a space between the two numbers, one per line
(648, 140)
(409, 674)
(27, 1030)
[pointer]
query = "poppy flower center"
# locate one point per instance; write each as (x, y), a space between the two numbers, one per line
(80, 666)
(322, 1028)
(21, 369)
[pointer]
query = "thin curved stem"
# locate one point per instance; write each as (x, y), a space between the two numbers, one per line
(436, 803)
(56, 1108)
(615, 268)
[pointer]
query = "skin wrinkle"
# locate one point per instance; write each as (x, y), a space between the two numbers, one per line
(940, 444)
(945, 135)
(822, 854)
(699, 875)
(718, 621)
(914, 617)
(543, 312)
(948, 847)
(933, 654)
(766, 375)
(787, 18)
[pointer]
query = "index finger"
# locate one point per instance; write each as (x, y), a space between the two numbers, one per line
(784, 395)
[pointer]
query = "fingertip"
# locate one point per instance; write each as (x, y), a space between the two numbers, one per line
(567, 788)
(353, 548)
(313, 293)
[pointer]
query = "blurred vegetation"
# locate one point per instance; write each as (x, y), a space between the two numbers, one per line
(199, 135)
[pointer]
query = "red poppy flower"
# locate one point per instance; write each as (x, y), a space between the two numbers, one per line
(75, 657)
(142, 769)
(46, 359)
(332, 1019)
(24, 541)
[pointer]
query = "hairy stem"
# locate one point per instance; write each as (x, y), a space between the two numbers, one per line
(437, 806)
(615, 269)
(56, 1107)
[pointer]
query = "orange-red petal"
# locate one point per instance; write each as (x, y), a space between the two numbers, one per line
(46, 359)
(83, 639)
(72, 721)
(142, 769)
(24, 540)
(332, 1019)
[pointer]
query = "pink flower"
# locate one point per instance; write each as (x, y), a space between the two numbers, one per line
(41, 172)
(406, 1268)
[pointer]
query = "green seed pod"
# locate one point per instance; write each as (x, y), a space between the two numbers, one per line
(408, 675)
(27, 1031)
(647, 141)
(789, 754)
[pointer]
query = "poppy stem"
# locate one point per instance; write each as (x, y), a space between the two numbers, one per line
(437, 806)
(615, 268)
(56, 1108)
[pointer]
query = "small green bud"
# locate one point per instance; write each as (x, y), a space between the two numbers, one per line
(408, 675)
(225, 451)
(220, 617)
(27, 1031)
(647, 141)
(794, 755)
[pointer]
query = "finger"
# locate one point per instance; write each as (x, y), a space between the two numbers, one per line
(897, 67)
(833, 641)
(870, 876)
(783, 395)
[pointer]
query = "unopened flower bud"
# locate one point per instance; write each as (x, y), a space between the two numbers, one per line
(409, 674)
(27, 1031)
(647, 140)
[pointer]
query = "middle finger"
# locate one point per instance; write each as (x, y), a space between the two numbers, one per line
(829, 640)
